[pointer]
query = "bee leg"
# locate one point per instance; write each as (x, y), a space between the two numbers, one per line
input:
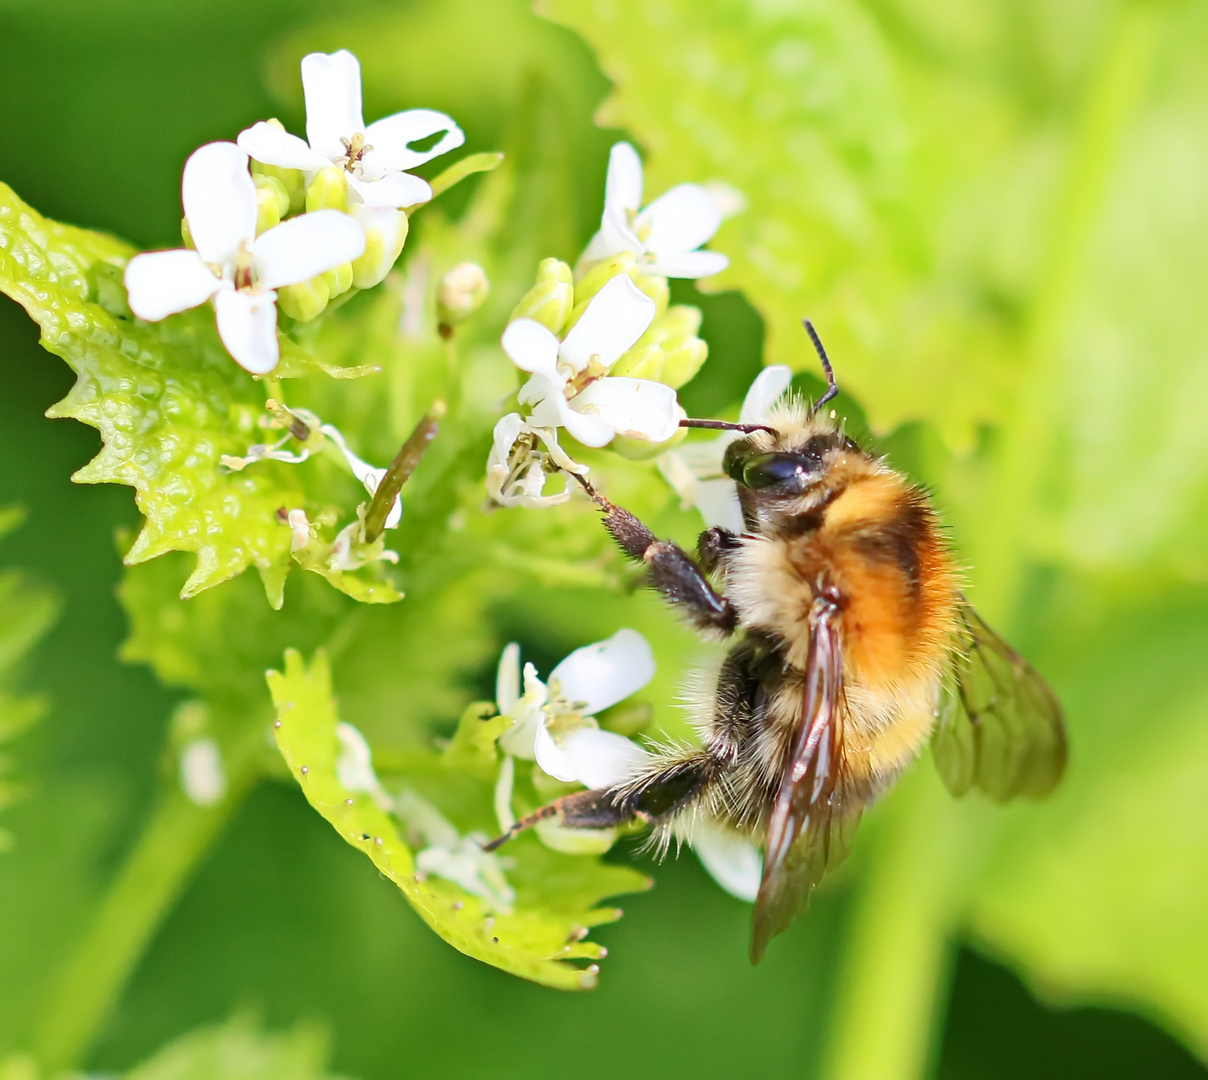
(672, 571)
(713, 546)
(648, 799)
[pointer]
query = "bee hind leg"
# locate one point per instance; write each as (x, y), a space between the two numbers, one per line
(650, 798)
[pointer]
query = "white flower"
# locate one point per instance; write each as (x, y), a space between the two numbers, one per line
(730, 858)
(455, 858)
(517, 468)
(570, 386)
(374, 157)
(232, 265)
(694, 469)
(354, 766)
(201, 774)
(665, 235)
(368, 475)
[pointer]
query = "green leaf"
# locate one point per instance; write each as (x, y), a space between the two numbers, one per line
(557, 895)
(166, 398)
(238, 1051)
(1099, 893)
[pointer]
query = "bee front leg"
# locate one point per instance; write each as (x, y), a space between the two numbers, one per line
(672, 571)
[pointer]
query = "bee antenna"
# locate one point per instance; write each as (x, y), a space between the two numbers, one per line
(832, 387)
(725, 425)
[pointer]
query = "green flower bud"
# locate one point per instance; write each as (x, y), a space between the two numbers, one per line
(385, 234)
(461, 292)
(551, 300)
(338, 279)
(292, 181)
(305, 301)
(641, 362)
(684, 357)
(328, 190)
(268, 207)
(642, 450)
(678, 321)
(656, 288)
(277, 188)
(603, 272)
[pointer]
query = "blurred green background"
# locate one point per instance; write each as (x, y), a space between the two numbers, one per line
(925, 178)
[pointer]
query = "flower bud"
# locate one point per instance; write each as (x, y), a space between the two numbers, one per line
(271, 203)
(641, 362)
(385, 234)
(338, 280)
(656, 288)
(678, 321)
(291, 180)
(461, 292)
(551, 300)
(643, 450)
(684, 357)
(305, 301)
(328, 190)
(603, 272)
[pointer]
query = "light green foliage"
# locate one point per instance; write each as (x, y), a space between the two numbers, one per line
(27, 611)
(237, 1050)
(557, 896)
(166, 398)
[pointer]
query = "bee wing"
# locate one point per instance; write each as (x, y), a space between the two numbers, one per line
(817, 809)
(1001, 727)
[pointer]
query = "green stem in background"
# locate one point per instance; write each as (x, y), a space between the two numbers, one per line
(174, 839)
(897, 956)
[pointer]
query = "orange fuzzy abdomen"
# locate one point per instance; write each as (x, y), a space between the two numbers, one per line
(880, 546)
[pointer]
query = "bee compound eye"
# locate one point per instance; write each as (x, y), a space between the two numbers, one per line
(789, 472)
(734, 460)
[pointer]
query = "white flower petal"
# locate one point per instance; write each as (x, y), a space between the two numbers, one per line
(247, 324)
(570, 841)
(503, 793)
(623, 188)
(562, 459)
(717, 501)
(639, 408)
(219, 198)
(390, 135)
(354, 765)
(305, 246)
(299, 529)
(687, 264)
(552, 410)
(394, 189)
(703, 459)
(679, 220)
(532, 347)
(765, 391)
(615, 318)
(507, 679)
(429, 822)
(731, 859)
(597, 676)
(600, 759)
(201, 773)
(331, 85)
(161, 283)
(269, 144)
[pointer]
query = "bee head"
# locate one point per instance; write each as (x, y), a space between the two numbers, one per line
(782, 472)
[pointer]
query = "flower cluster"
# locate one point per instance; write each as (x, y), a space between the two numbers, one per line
(554, 726)
(349, 179)
(603, 351)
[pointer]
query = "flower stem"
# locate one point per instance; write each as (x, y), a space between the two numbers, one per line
(174, 839)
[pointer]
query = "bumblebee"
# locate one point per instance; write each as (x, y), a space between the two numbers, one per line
(852, 647)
